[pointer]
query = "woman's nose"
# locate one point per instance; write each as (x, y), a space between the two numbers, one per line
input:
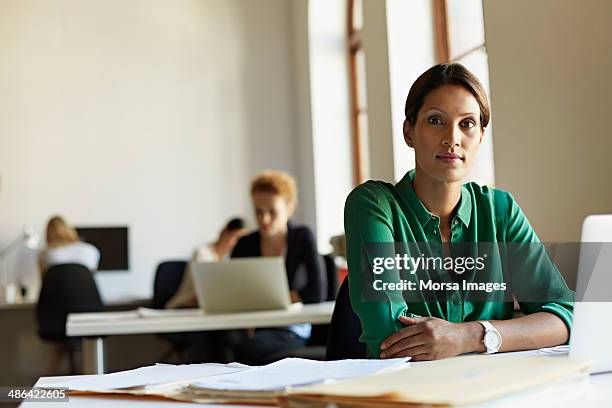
(265, 219)
(452, 138)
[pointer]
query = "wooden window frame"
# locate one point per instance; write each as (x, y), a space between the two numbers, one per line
(442, 35)
(354, 46)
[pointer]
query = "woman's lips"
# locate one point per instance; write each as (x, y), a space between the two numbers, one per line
(450, 158)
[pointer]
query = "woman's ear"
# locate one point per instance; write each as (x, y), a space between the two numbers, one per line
(290, 210)
(408, 131)
(482, 133)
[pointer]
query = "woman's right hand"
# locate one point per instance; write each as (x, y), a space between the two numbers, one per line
(429, 338)
(295, 297)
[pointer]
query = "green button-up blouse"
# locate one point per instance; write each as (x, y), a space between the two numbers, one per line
(377, 212)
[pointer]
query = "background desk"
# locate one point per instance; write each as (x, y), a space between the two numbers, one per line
(111, 323)
(25, 356)
(599, 395)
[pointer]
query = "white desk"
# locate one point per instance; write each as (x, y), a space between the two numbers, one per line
(599, 395)
(97, 325)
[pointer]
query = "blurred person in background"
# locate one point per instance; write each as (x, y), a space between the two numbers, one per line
(274, 197)
(210, 346)
(213, 252)
(64, 246)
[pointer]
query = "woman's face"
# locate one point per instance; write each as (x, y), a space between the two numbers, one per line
(271, 212)
(447, 133)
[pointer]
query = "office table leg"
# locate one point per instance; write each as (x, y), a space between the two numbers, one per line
(93, 355)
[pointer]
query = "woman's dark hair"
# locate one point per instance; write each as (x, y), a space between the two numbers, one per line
(235, 224)
(443, 74)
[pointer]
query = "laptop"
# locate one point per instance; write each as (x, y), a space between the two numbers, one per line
(241, 285)
(591, 329)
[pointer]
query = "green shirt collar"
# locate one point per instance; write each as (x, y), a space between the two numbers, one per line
(405, 190)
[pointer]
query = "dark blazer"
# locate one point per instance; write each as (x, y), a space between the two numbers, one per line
(302, 261)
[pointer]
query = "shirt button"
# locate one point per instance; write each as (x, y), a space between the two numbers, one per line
(455, 222)
(456, 302)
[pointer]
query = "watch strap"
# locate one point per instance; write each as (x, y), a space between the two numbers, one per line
(488, 327)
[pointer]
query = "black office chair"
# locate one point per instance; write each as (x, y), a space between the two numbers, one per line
(319, 334)
(66, 288)
(332, 276)
(345, 329)
(168, 278)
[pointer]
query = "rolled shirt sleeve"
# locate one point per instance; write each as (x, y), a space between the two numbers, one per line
(367, 219)
(538, 284)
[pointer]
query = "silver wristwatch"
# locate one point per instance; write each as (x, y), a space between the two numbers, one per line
(492, 339)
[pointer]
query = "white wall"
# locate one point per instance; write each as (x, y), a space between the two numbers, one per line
(550, 65)
(149, 113)
(304, 153)
(331, 131)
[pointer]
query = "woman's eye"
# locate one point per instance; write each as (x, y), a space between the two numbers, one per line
(468, 123)
(434, 120)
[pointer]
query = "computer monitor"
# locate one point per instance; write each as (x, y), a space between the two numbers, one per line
(112, 242)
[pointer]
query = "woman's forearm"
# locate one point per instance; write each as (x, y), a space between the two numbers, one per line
(533, 331)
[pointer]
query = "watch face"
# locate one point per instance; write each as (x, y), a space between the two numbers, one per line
(492, 340)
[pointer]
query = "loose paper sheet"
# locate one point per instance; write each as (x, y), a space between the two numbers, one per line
(292, 372)
(146, 376)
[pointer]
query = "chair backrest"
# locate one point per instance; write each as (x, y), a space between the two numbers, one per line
(168, 278)
(332, 276)
(345, 329)
(66, 288)
(320, 332)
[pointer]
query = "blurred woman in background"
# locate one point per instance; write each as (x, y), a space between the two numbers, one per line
(64, 246)
(274, 197)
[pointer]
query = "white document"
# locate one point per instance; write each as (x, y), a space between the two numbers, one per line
(148, 312)
(293, 372)
(151, 375)
(557, 350)
(103, 316)
(141, 312)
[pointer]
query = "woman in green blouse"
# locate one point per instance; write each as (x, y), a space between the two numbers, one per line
(446, 115)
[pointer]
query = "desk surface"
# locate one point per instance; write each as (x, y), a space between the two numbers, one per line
(114, 323)
(119, 304)
(599, 395)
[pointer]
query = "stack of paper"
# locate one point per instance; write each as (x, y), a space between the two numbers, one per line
(262, 385)
(230, 383)
(451, 382)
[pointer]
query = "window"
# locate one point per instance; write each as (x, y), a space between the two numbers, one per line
(420, 33)
(460, 37)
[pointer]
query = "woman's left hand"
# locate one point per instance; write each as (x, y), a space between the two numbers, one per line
(427, 338)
